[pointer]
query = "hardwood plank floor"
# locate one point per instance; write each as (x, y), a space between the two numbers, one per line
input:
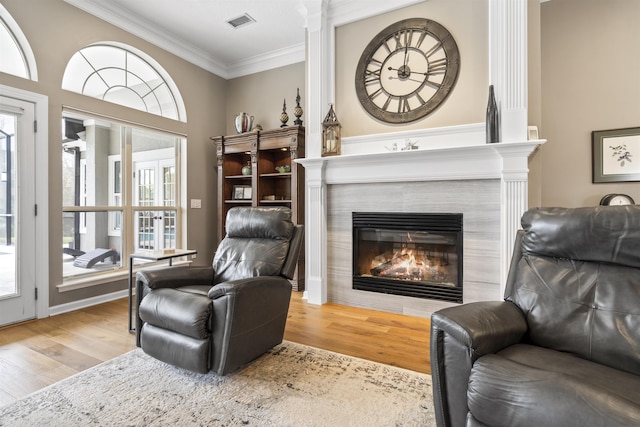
(41, 352)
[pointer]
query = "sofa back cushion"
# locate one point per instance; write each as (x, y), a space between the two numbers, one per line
(256, 244)
(578, 282)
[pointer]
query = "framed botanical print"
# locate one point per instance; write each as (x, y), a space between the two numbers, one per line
(616, 155)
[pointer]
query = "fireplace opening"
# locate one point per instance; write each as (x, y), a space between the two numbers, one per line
(411, 254)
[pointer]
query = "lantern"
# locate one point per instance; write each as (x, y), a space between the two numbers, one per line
(331, 139)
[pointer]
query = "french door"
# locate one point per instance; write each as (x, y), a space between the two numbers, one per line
(155, 187)
(17, 211)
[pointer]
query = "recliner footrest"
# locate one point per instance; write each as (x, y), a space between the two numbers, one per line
(176, 349)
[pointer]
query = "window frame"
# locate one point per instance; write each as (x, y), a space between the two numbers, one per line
(128, 209)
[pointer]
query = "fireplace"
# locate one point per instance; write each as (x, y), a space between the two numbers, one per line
(410, 254)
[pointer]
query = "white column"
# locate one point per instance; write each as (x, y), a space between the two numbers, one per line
(320, 72)
(514, 188)
(320, 78)
(315, 230)
(508, 65)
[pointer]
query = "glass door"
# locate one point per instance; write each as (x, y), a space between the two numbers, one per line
(17, 211)
(155, 187)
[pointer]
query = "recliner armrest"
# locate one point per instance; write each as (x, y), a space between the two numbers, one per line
(459, 336)
(235, 286)
(483, 327)
(249, 317)
(174, 277)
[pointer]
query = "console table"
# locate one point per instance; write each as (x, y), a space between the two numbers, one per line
(152, 256)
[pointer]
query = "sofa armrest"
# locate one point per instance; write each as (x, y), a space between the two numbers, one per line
(459, 336)
(174, 277)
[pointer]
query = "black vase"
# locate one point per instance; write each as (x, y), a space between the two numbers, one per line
(493, 119)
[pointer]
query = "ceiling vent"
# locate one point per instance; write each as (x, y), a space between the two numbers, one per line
(241, 21)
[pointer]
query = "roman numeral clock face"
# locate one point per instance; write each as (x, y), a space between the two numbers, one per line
(407, 70)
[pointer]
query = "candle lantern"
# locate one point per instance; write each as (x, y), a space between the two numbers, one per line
(331, 139)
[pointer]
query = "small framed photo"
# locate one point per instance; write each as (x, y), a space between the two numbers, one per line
(241, 192)
(616, 155)
(532, 133)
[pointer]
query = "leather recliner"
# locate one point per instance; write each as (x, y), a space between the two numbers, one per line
(563, 349)
(222, 317)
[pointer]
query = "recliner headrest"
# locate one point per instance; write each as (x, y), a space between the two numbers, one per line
(601, 234)
(259, 222)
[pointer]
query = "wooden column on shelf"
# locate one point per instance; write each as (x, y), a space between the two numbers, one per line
(266, 152)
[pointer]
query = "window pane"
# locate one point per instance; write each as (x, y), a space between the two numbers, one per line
(94, 86)
(90, 150)
(116, 75)
(88, 249)
(113, 76)
(154, 156)
(155, 230)
(101, 56)
(11, 59)
(101, 191)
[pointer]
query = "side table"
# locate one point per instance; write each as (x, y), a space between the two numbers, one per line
(151, 256)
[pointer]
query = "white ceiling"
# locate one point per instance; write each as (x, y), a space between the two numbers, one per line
(196, 30)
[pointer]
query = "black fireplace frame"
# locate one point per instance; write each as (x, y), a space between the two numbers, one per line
(400, 221)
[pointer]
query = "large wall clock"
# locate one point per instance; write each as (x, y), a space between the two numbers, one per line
(407, 70)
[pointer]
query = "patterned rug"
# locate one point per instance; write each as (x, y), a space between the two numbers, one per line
(292, 385)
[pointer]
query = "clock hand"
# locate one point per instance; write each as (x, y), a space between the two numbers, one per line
(405, 79)
(402, 71)
(406, 55)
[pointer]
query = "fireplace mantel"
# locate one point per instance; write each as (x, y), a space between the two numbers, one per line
(507, 161)
(486, 161)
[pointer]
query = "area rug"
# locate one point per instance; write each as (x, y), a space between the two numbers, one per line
(292, 385)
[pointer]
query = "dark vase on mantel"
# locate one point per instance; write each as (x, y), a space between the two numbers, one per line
(493, 118)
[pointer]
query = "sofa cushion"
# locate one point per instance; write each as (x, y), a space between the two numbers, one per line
(529, 385)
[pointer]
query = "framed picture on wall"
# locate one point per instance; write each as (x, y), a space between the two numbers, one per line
(616, 155)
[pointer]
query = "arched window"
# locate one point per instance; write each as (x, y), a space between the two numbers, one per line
(17, 57)
(126, 76)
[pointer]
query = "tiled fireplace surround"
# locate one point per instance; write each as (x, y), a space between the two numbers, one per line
(487, 183)
(453, 171)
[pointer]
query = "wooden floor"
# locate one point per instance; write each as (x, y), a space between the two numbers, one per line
(41, 352)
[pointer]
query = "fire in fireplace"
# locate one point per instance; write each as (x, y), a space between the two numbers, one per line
(412, 254)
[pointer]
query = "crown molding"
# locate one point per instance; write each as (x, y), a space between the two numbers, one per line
(146, 31)
(345, 12)
(340, 13)
(267, 61)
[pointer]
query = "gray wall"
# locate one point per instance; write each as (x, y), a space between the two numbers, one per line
(590, 81)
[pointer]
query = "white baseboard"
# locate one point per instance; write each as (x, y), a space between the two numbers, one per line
(88, 302)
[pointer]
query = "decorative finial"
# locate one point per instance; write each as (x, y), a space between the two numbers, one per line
(284, 117)
(298, 110)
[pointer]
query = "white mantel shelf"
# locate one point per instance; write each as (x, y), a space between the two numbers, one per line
(487, 161)
(505, 161)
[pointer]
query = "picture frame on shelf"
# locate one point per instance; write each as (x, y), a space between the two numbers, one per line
(242, 192)
(616, 155)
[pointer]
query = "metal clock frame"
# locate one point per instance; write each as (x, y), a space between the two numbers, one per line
(402, 36)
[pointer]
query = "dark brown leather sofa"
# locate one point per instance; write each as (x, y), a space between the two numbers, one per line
(222, 317)
(563, 349)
